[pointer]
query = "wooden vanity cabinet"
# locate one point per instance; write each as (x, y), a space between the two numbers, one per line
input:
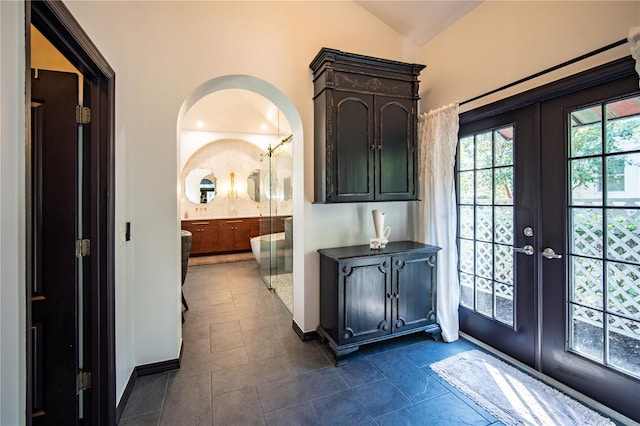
(371, 295)
(214, 236)
(203, 235)
(235, 234)
(365, 113)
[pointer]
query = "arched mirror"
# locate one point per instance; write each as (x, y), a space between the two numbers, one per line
(200, 186)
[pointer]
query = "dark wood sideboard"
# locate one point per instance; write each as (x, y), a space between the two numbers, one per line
(372, 295)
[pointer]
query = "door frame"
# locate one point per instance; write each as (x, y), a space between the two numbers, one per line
(525, 284)
(590, 78)
(56, 23)
(558, 360)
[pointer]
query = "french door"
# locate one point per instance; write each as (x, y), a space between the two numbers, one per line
(549, 245)
(591, 295)
(496, 183)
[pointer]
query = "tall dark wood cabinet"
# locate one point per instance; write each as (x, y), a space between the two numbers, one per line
(371, 295)
(365, 112)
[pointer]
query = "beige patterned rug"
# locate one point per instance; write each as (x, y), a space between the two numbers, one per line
(220, 258)
(511, 395)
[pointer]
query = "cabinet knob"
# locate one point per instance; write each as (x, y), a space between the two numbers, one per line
(432, 317)
(385, 327)
(345, 336)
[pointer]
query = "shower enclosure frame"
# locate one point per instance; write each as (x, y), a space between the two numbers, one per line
(276, 251)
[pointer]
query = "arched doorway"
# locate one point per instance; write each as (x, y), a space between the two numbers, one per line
(286, 107)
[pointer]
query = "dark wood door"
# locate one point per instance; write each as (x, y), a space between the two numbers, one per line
(55, 353)
(581, 171)
(496, 187)
(591, 221)
(395, 155)
(365, 293)
(353, 150)
(414, 291)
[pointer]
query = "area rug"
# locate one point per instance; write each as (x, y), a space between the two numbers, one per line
(511, 395)
(220, 258)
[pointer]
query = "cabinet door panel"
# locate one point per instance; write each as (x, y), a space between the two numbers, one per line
(395, 159)
(196, 228)
(208, 237)
(366, 286)
(414, 291)
(242, 236)
(353, 154)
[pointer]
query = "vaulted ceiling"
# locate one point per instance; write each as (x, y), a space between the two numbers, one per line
(240, 111)
(419, 21)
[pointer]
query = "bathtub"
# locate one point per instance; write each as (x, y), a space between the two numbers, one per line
(277, 243)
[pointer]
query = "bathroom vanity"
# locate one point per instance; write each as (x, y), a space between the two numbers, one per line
(372, 295)
(228, 235)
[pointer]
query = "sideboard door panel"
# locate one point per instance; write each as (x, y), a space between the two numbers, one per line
(414, 291)
(366, 285)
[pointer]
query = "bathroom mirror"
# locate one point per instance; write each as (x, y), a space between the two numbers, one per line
(200, 186)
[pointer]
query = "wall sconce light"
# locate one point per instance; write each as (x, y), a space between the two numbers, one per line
(232, 192)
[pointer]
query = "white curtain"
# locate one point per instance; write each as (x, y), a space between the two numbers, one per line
(437, 218)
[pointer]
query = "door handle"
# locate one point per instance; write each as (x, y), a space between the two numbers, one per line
(550, 254)
(528, 250)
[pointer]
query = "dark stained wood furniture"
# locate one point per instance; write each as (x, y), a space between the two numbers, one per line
(372, 295)
(365, 113)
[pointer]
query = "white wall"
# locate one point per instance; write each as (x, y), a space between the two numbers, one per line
(500, 42)
(161, 52)
(12, 217)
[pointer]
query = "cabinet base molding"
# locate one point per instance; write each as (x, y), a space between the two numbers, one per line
(340, 352)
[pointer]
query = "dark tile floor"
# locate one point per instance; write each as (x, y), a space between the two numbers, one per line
(243, 365)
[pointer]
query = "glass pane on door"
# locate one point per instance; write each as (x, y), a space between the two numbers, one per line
(484, 177)
(604, 234)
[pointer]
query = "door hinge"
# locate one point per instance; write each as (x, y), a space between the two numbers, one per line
(83, 248)
(83, 381)
(83, 115)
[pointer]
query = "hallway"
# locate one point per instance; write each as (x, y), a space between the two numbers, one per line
(243, 364)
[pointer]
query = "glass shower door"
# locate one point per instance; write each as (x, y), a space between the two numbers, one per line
(276, 247)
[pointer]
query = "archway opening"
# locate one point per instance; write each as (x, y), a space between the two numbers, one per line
(289, 130)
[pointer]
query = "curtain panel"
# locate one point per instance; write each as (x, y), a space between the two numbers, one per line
(437, 216)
